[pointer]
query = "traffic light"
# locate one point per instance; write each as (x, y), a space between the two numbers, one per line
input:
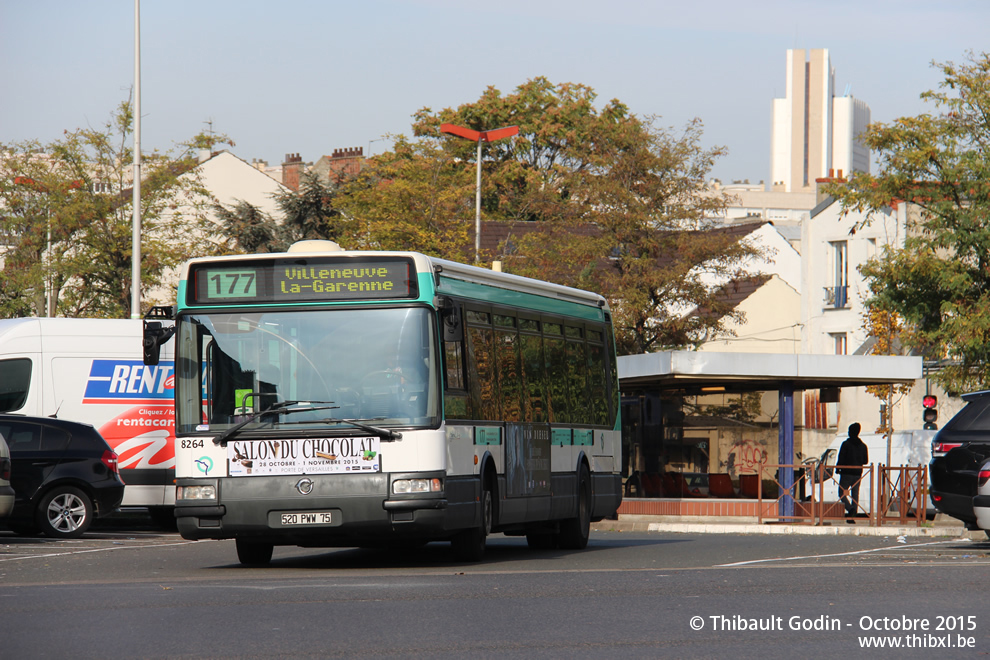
(930, 401)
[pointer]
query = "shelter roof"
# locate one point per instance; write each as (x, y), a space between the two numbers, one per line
(697, 371)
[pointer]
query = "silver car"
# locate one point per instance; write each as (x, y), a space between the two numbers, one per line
(6, 492)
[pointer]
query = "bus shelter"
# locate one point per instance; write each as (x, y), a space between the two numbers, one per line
(699, 372)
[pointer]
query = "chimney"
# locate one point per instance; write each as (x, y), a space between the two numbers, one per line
(345, 162)
(353, 152)
(291, 171)
(204, 155)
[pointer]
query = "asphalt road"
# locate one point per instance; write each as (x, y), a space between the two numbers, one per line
(148, 594)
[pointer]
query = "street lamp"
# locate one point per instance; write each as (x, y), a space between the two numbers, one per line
(479, 137)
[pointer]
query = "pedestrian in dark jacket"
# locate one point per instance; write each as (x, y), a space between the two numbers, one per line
(853, 452)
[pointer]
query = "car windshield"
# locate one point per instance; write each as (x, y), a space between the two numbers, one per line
(376, 365)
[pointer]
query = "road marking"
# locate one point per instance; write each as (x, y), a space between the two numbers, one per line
(837, 554)
(82, 552)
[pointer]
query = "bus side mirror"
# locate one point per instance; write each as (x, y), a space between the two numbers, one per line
(154, 336)
(450, 315)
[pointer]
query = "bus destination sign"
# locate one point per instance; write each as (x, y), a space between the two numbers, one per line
(341, 282)
(303, 280)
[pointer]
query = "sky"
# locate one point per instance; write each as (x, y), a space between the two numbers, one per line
(311, 76)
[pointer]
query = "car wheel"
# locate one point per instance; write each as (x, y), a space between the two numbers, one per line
(64, 512)
(254, 553)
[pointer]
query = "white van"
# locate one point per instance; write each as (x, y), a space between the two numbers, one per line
(92, 371)
(907, 448)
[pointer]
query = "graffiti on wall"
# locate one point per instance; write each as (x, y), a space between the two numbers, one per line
(745, 457)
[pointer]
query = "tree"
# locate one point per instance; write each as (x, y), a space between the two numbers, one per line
(415, 197)
(66, 218)
(939, 281)
(885, 328)
(311, 213)
(307, 214)
(617, 205)
(247, 229)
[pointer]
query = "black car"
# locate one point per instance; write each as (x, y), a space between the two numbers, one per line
(959, 449)
(63, 473)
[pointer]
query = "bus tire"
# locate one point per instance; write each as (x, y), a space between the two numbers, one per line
(469, 545)
(254, 553)
(574, 532)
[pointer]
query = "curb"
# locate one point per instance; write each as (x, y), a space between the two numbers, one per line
(724, 527)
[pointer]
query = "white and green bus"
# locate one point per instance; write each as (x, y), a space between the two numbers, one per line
(326, 398)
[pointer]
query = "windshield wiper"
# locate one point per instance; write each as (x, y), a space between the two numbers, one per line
(277, 408)
(285, 408)
(387, 435)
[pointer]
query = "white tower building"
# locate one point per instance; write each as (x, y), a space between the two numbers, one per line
(815, 134)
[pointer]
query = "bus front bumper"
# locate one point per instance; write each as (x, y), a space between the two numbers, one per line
(339, 511)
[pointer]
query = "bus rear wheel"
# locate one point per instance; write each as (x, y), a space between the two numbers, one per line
(254, 553)
(574, 532)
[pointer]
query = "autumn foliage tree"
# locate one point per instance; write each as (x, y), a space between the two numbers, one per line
(939, 281)
(66, 221)
(616, 204)
(415, 197)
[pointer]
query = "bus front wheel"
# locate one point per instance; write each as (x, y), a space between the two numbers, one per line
(254, 553)
(469, 545)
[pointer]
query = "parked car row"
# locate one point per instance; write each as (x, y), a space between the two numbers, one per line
(56, 476)
(960, 466)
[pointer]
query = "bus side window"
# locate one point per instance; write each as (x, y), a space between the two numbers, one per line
(598, 388)
(510, 383)
(453, 357)
(455, 398)
(577, 376)
(559, 407)
(483, 403)
(534, 380)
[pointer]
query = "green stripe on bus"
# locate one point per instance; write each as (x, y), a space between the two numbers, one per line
(561, 437)
(496, 295)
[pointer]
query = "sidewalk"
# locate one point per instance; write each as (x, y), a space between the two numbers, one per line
(942, 526)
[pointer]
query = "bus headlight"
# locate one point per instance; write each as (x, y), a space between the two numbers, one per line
(196, 492)
(417, 486)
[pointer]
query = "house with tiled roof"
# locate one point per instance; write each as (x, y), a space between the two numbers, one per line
(771, 312)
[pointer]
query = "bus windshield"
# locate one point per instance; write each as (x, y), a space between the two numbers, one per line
(375, 365)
